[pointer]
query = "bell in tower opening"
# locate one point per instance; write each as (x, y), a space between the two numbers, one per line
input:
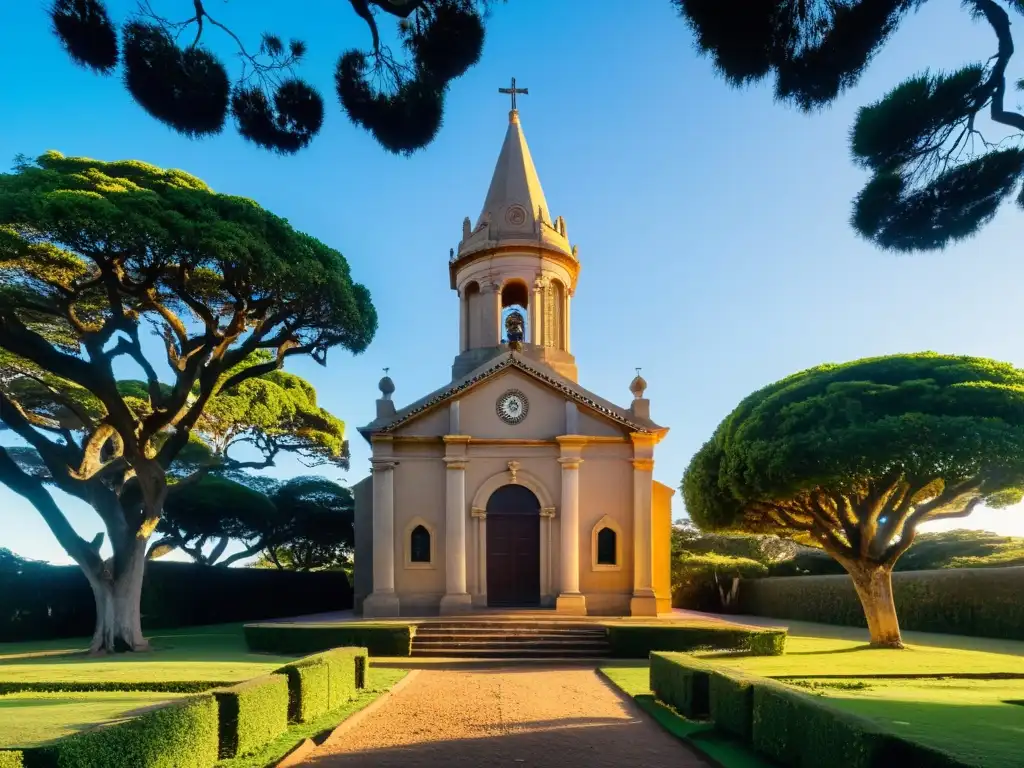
(515, 329)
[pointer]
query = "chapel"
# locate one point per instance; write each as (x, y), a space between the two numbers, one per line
(512, 486)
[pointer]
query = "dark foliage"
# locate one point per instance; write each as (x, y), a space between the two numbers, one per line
(40, 601)
(450, 43)
(85, 31)
(173, 74)
(286, 127)
(936, 179)
(185, 89)
(403, 121)
(980, 602)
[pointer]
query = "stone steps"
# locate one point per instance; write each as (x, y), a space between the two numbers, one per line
(481, 638)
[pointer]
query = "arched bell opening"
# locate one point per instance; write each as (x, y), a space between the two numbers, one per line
(515, 305)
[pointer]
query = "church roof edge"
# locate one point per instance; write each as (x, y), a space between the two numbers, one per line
(495, 366)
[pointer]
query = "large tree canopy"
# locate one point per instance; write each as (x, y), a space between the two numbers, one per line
(91, 254)
(854, 457)
(172, 72)
(938, 172)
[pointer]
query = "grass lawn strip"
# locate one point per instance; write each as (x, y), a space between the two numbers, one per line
(635, 681)
(30, 719)
(838, 657)
(216, 654)
(378, 682)
(969, 719)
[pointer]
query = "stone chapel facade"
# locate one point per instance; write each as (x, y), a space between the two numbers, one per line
(512, 486)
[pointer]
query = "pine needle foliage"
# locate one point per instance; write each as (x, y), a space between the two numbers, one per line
(173, 74)
(944, 149)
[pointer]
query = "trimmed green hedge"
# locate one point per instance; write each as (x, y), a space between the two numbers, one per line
(179, 735)
(984, 602)
(798, 729)
(252, 714)
(681, 682)
(378, 639)
(323, 682)
(731, 703)
(307, 691)
(637, 641)
(789, 727)
(11, 758)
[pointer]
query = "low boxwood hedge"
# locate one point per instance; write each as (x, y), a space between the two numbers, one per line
(789, 727)
(252, 714)
(323, 682)
(378, 639)
(731, 703)
(180, 735)
(11, 758)
(797, 729)
(982, 602)
(629, 641)
(681, 682)
(307, 691)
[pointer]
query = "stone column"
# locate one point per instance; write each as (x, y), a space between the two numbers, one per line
(456, 597)
(570, 599)
(492, 306)
(383, 601)
(565, 320)
(463, 322)
(480, 591)
(537, 313)
(643, 602)
(547, 589)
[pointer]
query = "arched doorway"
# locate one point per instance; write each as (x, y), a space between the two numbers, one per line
(513, 548)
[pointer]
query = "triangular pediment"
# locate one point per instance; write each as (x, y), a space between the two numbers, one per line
(537, 374)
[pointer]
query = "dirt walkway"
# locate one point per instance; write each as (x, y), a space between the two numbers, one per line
(561, 718)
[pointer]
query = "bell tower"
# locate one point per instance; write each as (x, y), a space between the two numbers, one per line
(514, 270)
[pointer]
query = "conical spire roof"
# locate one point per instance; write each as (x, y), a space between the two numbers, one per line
(515, 210)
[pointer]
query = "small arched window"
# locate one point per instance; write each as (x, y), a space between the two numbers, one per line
(419, 545)
(607, 547)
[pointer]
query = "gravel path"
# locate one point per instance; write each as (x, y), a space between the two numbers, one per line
(561, 718)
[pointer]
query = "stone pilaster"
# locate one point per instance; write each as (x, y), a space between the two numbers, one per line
(570, 599)
(537, 312)
(383, 601)
(456, 598)
(643, 602)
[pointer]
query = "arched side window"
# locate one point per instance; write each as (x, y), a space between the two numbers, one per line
(420, 544)
(606, 545)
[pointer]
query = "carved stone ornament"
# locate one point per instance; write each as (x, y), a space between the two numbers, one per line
(513, 467)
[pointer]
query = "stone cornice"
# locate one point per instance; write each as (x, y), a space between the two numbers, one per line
(571, 264)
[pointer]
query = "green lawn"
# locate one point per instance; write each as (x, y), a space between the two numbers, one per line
(968, 719)
(28, 719)
(216, 653)
(843, 657)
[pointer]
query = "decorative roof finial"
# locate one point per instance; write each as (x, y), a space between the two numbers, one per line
(386, 385)
(637, 386)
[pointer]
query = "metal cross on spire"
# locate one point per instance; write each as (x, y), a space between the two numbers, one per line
(513, 91)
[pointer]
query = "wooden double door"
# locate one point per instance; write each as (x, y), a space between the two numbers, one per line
(513, 548)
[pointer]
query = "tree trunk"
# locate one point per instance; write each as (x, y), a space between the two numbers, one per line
(874, 588)
(118, 595)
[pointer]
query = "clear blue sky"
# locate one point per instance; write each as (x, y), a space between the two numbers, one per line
(712, 223)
